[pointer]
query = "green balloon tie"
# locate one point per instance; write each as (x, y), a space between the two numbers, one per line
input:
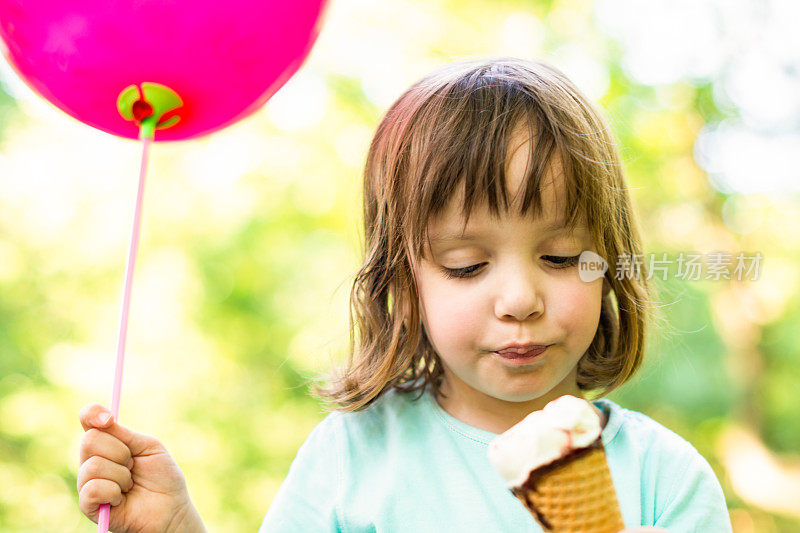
(148, 106)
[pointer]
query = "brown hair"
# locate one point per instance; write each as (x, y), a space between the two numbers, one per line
(450, 131)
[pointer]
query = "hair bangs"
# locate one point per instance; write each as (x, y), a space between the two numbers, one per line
(468, 132)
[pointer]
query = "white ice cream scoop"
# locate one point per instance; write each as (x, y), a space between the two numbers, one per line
(565, 424)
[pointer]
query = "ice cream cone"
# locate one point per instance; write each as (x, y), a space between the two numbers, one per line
(573, 494)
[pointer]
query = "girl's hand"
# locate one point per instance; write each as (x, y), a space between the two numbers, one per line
(135, 474)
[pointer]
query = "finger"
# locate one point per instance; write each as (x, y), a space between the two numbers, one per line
(137, 443)
(99, 442)
(90, 416)
(101, 468)
(96, 492)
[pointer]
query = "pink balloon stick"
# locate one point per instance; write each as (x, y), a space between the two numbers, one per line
(105, 509)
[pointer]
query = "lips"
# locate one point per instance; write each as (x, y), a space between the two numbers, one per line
(521, 355)
(521, 349)
(514, 354)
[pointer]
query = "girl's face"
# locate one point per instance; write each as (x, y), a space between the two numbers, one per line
(518, 289)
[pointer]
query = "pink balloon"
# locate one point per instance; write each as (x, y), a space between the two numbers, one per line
(224, 58)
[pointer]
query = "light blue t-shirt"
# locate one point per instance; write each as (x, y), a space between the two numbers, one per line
(407, 465)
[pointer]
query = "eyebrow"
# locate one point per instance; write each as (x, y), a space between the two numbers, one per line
(450, 235)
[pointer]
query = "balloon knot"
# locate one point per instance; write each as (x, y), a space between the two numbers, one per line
(141, 110)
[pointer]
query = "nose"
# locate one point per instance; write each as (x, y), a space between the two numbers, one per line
(520, 292)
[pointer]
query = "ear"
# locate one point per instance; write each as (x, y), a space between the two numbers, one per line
(606, 286)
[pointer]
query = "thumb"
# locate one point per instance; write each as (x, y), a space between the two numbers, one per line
(137, 443)
(97, 416)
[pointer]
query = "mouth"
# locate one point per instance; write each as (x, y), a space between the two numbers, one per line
(522, 358)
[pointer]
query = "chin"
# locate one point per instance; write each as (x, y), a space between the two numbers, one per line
(517, 394)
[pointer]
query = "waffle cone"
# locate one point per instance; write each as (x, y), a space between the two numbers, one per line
(574, 495)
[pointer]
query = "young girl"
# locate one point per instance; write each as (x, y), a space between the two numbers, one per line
(483, 184)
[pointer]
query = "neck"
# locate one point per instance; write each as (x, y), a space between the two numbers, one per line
(496, 415)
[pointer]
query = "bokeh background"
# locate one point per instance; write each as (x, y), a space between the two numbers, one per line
(251, 238)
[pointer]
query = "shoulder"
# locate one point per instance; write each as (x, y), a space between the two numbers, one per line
(644, 434)
(367, 446)
(676, 481)
(664, 457)
(393, 411)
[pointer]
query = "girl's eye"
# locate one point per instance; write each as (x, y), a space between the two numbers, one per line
(561, 261)
(466, 272)
(557, 261)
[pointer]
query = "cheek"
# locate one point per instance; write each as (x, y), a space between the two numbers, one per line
(576, 305)
(450, 316)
